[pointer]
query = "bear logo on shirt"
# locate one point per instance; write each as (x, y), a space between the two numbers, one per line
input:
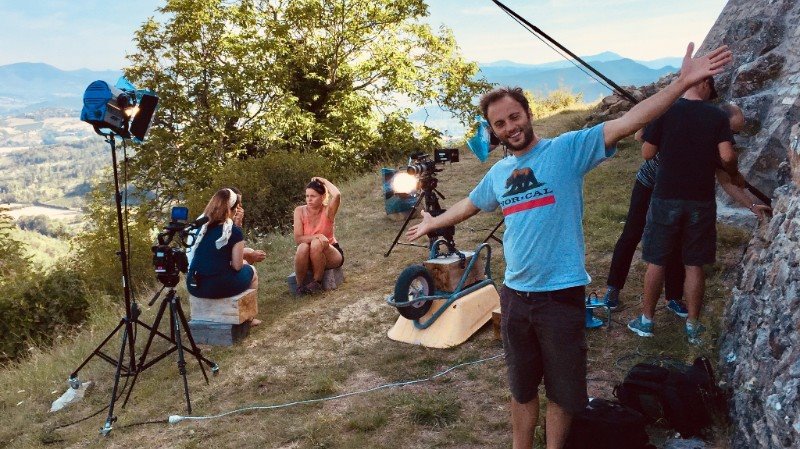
(521, 180)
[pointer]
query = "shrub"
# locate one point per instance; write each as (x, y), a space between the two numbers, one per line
(34, 311)
(271, 185)
(555, 101)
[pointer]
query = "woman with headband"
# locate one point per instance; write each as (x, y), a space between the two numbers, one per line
(217, 268)
(317, 247)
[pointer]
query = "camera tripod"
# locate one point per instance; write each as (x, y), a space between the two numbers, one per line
(177, 318)
(428, 184)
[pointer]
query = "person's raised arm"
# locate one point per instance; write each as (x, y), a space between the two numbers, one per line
(693, 70)
(453, 215)
(335, 196)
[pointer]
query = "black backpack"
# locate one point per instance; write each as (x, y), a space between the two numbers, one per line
(681, 397)
(608, 425)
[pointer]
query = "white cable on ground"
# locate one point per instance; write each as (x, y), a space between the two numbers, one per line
(173, 419)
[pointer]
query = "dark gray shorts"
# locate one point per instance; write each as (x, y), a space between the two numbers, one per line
(544, 336)
(690, 226)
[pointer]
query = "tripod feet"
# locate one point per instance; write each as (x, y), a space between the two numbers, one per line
(108, 426)
(214, 369)
(74, 382)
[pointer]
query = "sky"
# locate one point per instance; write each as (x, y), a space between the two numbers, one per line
(94, 34)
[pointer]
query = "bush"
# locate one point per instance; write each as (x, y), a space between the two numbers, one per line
(555, 101)
(35, 311)
(271, 186)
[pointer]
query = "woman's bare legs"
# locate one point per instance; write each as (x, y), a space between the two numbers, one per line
(318, 259)
(302, 261)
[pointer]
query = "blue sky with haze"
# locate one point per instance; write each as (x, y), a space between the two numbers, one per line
(94, 34)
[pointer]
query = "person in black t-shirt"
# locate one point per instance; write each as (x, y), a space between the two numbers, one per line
(692, 138)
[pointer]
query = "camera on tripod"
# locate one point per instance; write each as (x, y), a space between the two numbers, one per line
(169, 260)
(420, 175)
(420, 164)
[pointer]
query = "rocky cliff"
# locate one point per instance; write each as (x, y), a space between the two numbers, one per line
(760, 349)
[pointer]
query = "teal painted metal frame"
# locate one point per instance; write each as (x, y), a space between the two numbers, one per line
(457, 293)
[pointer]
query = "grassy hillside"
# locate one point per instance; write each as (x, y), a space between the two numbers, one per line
(44, 251)
(335, 343)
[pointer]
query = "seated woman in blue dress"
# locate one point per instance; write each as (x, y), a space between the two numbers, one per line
(217, 266)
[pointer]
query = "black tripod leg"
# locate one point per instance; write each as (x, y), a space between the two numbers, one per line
(195, 351)
(143, 357)
(176, 335)
(96, 351)
(491, 234)
(403, 228)
(111, 418)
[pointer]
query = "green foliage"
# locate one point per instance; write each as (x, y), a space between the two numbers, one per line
(246, 78)
(43, 225)
(271, 187)
(95, 249)
(35, 310)
(44, 173)
(555, 101)
(13, 262)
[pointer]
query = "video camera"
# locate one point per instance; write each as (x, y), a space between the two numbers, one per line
(420, 164)
(170, 260)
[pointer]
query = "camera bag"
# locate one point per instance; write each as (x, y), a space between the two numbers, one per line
(608, 425)
(682, 397)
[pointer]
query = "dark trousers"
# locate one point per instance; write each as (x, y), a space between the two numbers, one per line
(629, 240)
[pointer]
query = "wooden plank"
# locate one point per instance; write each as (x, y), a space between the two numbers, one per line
(496, 323)
(234, 310)
(447, 271)
(218, 334)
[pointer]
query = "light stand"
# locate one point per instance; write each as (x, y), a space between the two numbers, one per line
(132, 310)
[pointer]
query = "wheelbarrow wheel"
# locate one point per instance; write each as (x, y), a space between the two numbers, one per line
(414, 282)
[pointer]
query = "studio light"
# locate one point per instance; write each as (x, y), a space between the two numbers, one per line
(120, 109)
(404, 183)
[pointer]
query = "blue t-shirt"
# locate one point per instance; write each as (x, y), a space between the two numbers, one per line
(210, 261)
(541, 195)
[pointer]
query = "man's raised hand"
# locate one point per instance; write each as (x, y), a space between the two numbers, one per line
(694, 70)
(421, 228)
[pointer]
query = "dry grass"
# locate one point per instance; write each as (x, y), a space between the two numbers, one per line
(336, 342)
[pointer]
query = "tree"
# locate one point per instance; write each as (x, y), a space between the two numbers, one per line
(244, 78)
(13, 261)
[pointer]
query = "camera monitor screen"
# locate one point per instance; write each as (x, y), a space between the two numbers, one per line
(180, 214)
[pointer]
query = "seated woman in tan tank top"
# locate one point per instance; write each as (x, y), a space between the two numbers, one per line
(317, 248)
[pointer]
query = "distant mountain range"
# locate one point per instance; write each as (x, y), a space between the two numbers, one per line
(26, 86)
(543, 78)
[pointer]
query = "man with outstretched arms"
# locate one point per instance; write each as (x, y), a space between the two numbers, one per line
(540, 190)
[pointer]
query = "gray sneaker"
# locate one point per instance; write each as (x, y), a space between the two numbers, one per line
(693, 332)
(678, 307)
(641, 329)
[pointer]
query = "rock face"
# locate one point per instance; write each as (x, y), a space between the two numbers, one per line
(760, 348)
(764, 80)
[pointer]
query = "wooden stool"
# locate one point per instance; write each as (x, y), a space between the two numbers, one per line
(331, 280)
(222, 321)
